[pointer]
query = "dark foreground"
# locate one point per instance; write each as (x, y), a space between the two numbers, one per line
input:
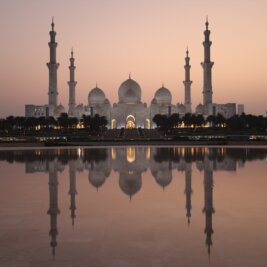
(122, 137)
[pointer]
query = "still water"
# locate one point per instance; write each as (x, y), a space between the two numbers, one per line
(133, 206)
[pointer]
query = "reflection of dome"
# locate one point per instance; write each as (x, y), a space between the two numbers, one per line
(163, 177)
(130, 183)
(129, 92)
(96, 96)
(163, 96)
(97, 178)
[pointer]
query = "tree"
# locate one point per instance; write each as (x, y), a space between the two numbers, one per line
(63, 120)
(86, 121)
(199, 120)
(174, 120)
(220, 120)
(188, 119)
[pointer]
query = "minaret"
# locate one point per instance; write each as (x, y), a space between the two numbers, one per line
(188, 191)
(187, 84)
(53, 205)
(208, 200)
(207, 66)
(72, 191)
(72, 84)
(52, 66)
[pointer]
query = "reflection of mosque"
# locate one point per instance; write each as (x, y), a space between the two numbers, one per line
(130, 163)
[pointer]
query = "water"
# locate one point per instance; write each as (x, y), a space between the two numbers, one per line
(133, 206)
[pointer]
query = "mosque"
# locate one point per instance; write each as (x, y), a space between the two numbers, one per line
(130, 111)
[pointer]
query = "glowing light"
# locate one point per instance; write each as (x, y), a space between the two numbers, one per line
(79, 152)
(130, 154)
(113, 153)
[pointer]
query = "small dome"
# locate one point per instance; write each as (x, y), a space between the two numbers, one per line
(163, 96)
(97, 178)
(129, 92)
(96, 96)
(107, 102)
(163, 177)
(199, 109)
(181, 108)
(130, 184)
(60, 109)
(79, 107)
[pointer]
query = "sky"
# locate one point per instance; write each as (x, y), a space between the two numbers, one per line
(147, 38)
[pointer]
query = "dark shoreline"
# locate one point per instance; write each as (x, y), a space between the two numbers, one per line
(102, 143)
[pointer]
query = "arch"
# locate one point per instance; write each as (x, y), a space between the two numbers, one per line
(113, 124)
(130, 122)
(148, 124)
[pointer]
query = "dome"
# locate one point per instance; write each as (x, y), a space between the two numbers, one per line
(163, 96)
(107, 102)
(181, 108)
(199, 109)
(79, 108)
(97, 178)
(59, 110)
(163, 177)
(130, 184)
(130, 92)
(96, 96)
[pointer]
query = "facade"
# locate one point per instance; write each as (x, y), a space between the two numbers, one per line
(240, 109)
(227, 110)
(130, 111)
(36, 111)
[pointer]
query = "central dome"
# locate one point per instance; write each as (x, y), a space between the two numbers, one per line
(130, 92)
(163, 96)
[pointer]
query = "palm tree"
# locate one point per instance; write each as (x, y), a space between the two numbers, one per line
(174, 120)
(63, 120)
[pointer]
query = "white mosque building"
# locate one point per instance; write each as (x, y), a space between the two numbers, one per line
(130, 111)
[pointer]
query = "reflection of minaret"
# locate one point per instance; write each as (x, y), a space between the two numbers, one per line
(72, 83)
(53, 204)
(72, 191)
(187, 85)
(208, 208)
(52, 66)
(188, 192)
(207, 66)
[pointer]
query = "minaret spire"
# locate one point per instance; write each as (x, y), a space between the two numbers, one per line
(72, 191)
(52, 67)
(187, 84)
(208, 201)
(72, 84)
(52, 24)
(53, 205)
(207, 75)
(188, 191)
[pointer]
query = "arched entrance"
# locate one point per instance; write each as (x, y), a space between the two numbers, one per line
(113, 124)
(148, 125)
(130, 122)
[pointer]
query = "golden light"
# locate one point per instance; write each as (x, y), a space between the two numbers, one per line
(130, 154)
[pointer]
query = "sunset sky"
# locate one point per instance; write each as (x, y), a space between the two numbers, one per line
(145, 37)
